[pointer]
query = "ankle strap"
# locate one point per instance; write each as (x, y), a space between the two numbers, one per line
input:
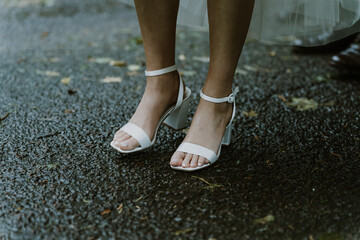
(229, 99)
(160, 71)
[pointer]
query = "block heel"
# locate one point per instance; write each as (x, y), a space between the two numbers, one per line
(177, 120)
(227, 135)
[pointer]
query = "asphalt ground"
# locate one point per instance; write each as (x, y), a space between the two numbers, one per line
(291, 172)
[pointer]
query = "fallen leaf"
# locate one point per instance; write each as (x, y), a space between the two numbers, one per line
(264, 220)
(188, 73)
(100, 60)
(335, 154)
(133, 67)
(303, 104)
(241, 72)
(251, 113)
(87, 201)
(182, 57)
(201, 59)
(138, 199)
(44, 34)
(133, 73)
(68, 111)
(179, 232)
(117, 63)
(111, 79)
(54, 60)
(137, 40)
(256, 138)
(47, 73)
(65, 80)
(120, 208)
(288, 70)
(210, 185)
(322, 79)
(256, 68)
(107, 211)
(282, 98)
(272, 53)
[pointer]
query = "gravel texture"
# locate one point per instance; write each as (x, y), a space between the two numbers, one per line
(289, 174)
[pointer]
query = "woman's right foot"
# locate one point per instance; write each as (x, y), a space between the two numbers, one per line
(160, 94)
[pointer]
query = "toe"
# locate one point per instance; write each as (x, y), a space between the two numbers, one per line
(118, 142)
(187, 159)
(201, 161)
(129, 144)
(194, 161)
(177, 158)
(119, 135)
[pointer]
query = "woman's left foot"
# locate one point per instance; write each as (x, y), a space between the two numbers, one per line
(207, 130)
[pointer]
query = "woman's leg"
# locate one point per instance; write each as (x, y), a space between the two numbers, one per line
(157, 19)
(229, 22)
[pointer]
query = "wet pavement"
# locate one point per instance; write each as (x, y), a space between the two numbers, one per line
(291, 171)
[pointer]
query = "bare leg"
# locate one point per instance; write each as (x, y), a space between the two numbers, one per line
(157, 19)
(229, 22)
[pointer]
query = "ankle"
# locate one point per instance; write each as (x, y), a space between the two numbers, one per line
(220, 109)
(166, 81)
(217, 91)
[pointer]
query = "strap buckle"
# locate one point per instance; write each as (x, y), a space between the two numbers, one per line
(231, 97)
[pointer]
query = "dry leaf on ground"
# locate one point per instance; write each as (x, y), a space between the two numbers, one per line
(188, 73)
(202, 59)
(107, 211)
(65, 80)
(133, 67)
(120, 208)
(210, 185)
(48, 73)
(256, 68)
(182, 57)
(264, 220)
(179, 232)
(117, 63)
(111, 79)
(240, 71)
(101, 60)
(303, 104)
(251, 113)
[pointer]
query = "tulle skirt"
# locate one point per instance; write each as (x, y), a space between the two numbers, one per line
(285, 21)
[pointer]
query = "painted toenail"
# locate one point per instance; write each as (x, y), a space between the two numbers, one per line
(199, 164)
(124, 144)
(184, 165)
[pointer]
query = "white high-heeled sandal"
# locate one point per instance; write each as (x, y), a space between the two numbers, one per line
(203, 151)
(175, 117)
